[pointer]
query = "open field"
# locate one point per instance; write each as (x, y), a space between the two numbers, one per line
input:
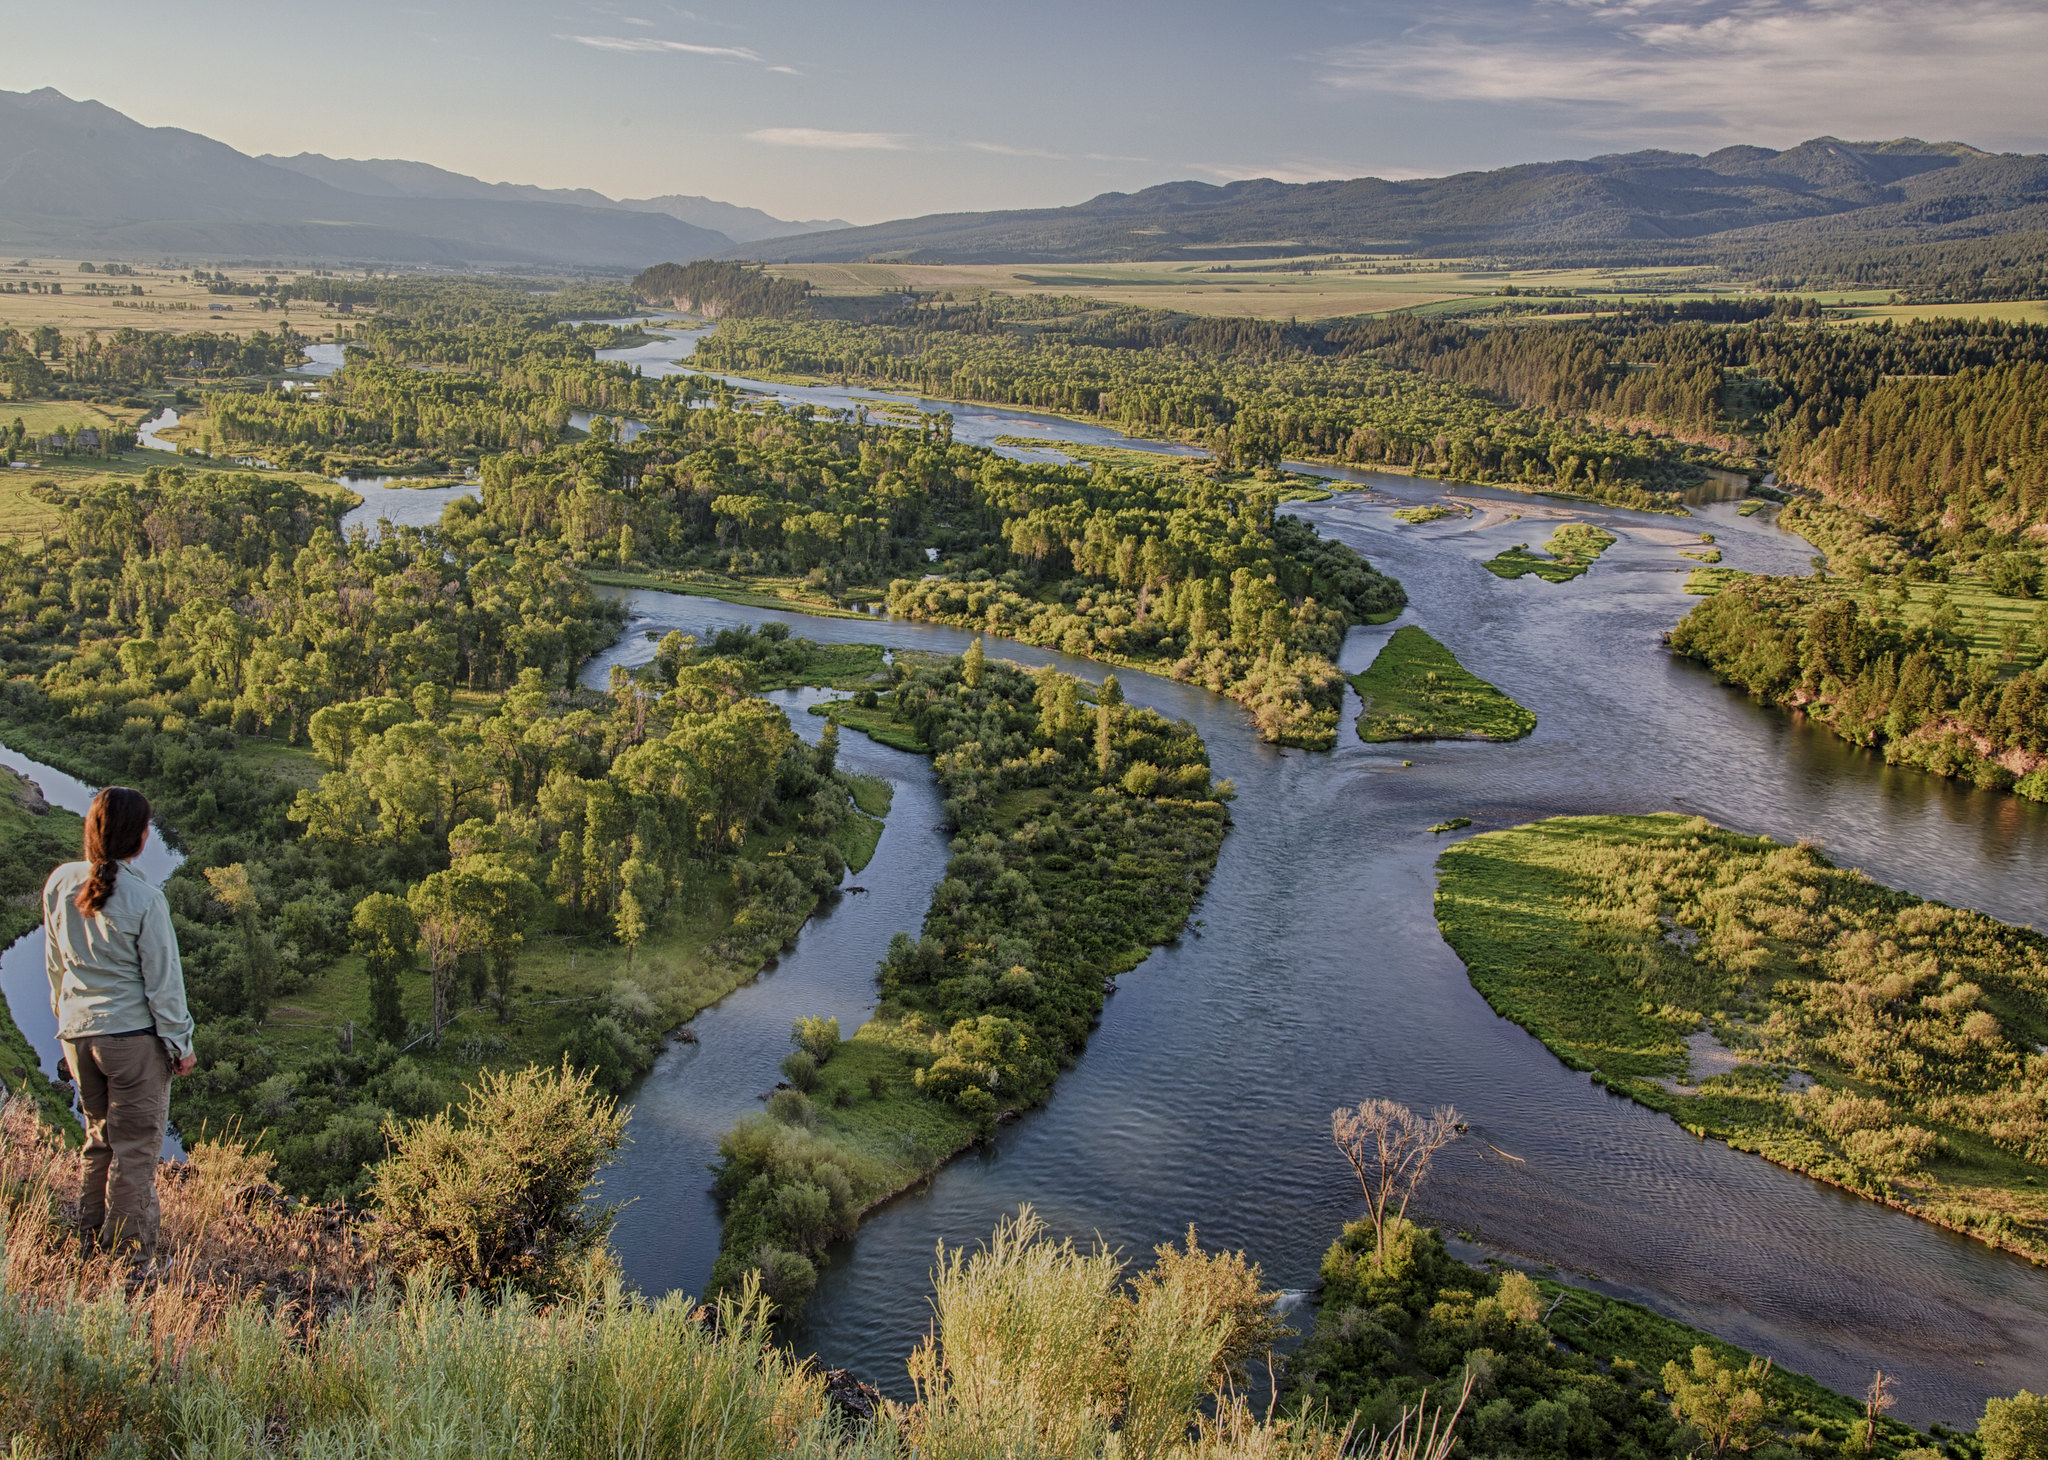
(2020, 311)
(23, 517)
(1355, 285)
(41, 417)
(169, 301)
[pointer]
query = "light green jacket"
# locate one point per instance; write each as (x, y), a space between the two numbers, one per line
(115, 971)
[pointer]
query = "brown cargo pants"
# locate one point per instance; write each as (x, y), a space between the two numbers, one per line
(124, 1088)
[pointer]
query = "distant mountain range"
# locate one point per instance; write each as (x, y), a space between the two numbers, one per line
(381, 177)
(1826, 191)
(77, 177)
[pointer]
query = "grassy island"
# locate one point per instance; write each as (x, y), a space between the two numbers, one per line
(1430, 512)
(1084, 835)
(1416, 689)
(1572, 549)
(1765, 997)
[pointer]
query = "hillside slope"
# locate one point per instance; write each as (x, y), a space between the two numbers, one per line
(79, 177)
(1821, 189)
(390, 177)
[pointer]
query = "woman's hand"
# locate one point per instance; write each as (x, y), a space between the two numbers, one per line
(184, 1066)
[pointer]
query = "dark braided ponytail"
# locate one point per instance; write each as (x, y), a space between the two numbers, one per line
(115, 826)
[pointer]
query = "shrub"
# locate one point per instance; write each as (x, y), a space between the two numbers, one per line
(500, 1196)
(786, 1278)
(794, 1108)
(817, 1037)
(801, 1070)
(2015, 1428)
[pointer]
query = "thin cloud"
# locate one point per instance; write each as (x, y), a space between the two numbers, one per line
(644, 44)
(1004, 149)
(785, 70)
(1298, 171)
(818, 137)
(1706, 70)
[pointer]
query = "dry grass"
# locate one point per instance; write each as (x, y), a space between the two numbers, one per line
(1275, 290)
(228, 1235)
(24, 520)
(263, 1329)
(179, 305)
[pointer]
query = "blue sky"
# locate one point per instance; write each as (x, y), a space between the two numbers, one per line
(813, 108)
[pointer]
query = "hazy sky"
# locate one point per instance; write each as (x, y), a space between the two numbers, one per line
(813, 108)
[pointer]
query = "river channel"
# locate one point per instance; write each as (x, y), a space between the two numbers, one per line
(1316, 978)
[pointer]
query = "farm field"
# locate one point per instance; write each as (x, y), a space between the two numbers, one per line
(169, 301)
(1357, 284)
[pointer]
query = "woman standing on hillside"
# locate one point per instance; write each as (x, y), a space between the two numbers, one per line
(118, 991)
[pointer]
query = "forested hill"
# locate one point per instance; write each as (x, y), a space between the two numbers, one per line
(79, 177)
(1820, 192)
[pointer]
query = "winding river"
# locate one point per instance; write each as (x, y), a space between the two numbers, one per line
(1317, 978)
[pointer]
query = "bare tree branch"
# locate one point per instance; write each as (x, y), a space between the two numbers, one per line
(1390, 1147)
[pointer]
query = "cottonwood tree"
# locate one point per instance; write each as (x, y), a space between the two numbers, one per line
(1390, 1147)
(1724, 1405)
(384, 931)
(234, 892)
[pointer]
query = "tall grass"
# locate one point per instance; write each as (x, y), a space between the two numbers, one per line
(236, 1345)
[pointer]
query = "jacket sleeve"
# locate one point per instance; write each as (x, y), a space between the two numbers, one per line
(53, 961)
(163, 977)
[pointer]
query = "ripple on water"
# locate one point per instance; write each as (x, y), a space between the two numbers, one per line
(1319, 978)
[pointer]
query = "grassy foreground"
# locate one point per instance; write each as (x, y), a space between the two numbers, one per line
(1765, 997)
(1415, 689)
(267, 1327)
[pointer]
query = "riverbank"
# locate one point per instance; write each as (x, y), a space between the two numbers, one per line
(777, 592)
(1415, 689)
(1561, 1368)
(34, 837)
(1084, 836)
(1764, 997)
(311, 1053)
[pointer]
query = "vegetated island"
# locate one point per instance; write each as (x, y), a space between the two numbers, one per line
(1083, 837)
(1572, 549)
(1415, 689)
(1169, 571)
(1706, 582)
(1293, 486)
(1430, 512)
(1763, 996)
